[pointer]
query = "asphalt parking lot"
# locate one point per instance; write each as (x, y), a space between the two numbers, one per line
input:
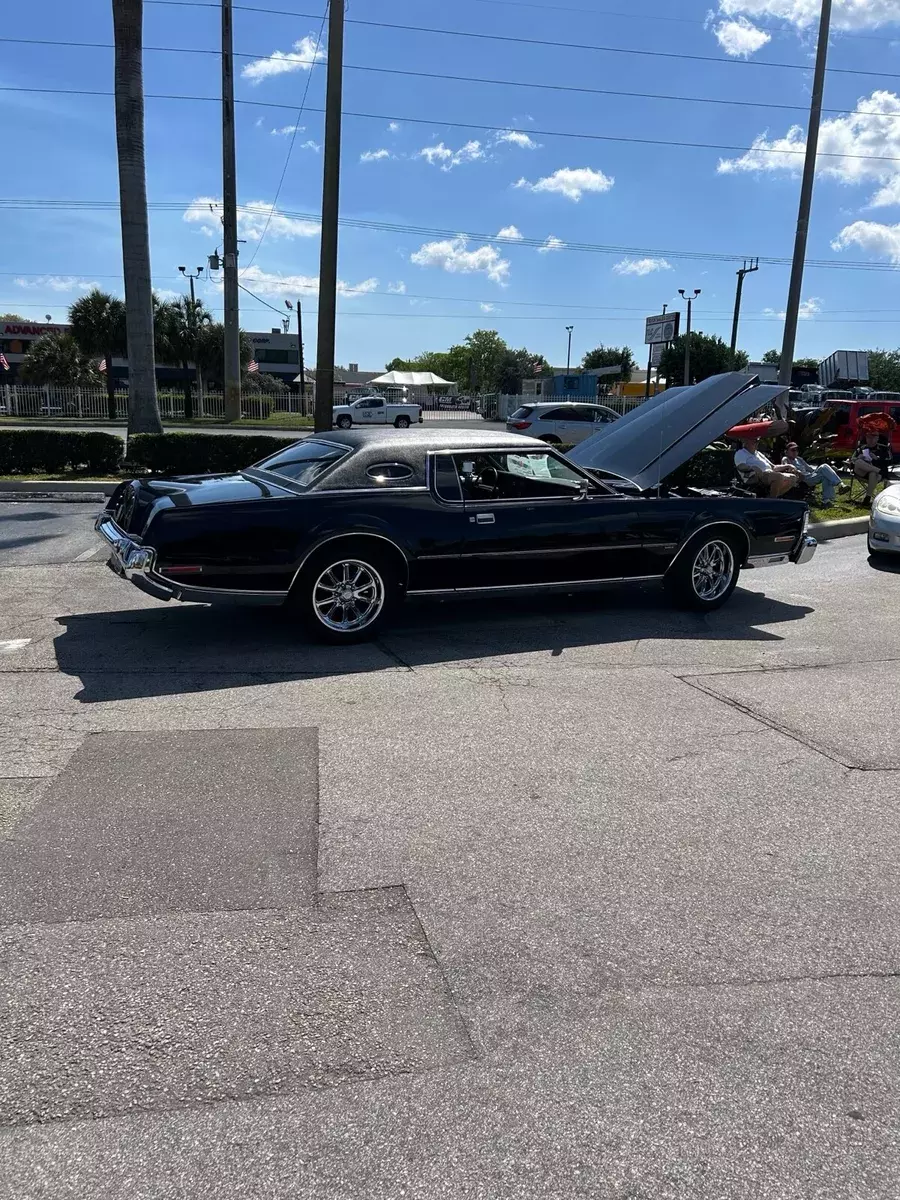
(570, 897)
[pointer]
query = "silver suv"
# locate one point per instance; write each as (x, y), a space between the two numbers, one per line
(565, 424)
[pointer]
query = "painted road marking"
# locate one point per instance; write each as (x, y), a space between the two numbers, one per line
(13, 644)
(86, 554)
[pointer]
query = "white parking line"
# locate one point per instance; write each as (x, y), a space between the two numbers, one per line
(13, 644)
(86, 554)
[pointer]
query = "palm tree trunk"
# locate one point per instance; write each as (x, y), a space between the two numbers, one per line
(110, 388)
(143, 408)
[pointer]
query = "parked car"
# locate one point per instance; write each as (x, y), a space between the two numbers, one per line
(884, 522)
(560, 424)
(341, 526)
(375, 410)
(846, 414)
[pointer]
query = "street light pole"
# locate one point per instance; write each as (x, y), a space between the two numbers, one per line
(744, 270)
(300, 349)
(792, 310)
(569, 329)
(188, 402)
(687, 336)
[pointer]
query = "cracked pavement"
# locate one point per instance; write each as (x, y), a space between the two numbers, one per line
(573, 897)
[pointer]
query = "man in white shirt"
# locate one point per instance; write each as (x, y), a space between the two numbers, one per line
(751, 462)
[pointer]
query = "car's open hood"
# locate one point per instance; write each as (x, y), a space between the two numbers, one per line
(661, 434)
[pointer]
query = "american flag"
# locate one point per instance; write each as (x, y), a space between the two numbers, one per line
(252, 366)
(3, 363)
(101, 366)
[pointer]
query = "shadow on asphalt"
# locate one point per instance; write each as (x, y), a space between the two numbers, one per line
(190, 648)
(891, 565)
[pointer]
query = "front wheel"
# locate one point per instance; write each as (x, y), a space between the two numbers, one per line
(344, 422)
(346, 597)
(402, 423)
(705, 574)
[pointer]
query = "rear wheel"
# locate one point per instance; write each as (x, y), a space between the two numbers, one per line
(402, 423)
(705, 573)
(344, 422)
(346, 595)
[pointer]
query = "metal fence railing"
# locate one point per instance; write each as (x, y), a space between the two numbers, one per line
(73, 403)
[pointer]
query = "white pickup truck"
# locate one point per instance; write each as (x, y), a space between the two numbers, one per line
(375, 410)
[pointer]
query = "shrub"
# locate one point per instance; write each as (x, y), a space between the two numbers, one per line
(53, 452)
(199, 453)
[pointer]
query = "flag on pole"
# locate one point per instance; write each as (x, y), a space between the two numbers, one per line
(3, 363)
(252, 366)
(101, 366)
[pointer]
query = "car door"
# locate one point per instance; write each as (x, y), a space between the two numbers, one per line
(559, 423)
(532, 519)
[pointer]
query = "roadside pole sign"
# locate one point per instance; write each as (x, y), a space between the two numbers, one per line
(656, 353)
(663, 328)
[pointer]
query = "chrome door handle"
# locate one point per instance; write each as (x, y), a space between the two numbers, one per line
(484, 519)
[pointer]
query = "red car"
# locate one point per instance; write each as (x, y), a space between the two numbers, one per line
(847, 413)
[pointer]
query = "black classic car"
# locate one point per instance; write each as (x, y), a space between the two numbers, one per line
(340, 526)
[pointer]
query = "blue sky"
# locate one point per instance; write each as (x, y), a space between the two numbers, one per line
(409, 165)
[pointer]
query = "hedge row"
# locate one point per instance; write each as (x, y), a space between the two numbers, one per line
(55, 452)
(52, 452)
(199, 453)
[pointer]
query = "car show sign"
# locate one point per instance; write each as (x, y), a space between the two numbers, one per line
(663, 328)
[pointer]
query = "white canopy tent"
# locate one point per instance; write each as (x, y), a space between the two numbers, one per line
(418, 379)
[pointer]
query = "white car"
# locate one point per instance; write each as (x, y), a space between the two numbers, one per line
(884, 522)
(375, 410)
(560, 424)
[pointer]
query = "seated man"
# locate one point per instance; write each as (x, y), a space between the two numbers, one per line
(749, 460)
(870, 462)
(824, 474)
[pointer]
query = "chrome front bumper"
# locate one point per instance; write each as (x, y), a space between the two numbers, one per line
(805, 551)
(802, 554)
(127, 557)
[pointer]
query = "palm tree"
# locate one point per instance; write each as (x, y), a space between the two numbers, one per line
(143, 407)
(178, 324)
(58, 358)
(98, 326)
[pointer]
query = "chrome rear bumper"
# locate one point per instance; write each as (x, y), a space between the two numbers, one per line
(805, 551)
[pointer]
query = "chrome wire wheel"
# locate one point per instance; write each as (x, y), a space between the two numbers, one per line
(712, 571)
(348, 595)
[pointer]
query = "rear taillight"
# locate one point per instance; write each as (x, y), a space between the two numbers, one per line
(520, 424)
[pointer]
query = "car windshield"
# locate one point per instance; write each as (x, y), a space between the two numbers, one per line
(305, 461)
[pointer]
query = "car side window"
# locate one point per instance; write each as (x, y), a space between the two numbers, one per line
(895, 412)
(601, 416)
(509, 475)
(557, 414)
(580, 414)
(376, 404)
(446, 478)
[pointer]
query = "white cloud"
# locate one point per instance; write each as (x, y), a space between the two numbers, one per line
(870, 236)
(487, 307)
(285, 130)
(740, 38)
(454, 256)
(393, 126)
(374, 155)
(509, 233)
(808, 309)
(398, 288)
(516, 137)
(855, 148)
(571, 182)
(56, 283)
(272, 283)
(552, 243)
(804, 14)
(887, 196)
(206, 211)
(168, 294)
(447, 159)
(641, 266)
(306, 51)
(309, 144)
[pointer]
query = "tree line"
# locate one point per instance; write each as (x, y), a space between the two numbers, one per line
(184, 333)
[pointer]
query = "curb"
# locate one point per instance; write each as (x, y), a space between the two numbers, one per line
(56, 489)
(826, 531)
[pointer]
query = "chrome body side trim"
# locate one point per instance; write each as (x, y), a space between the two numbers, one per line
(355, 533)
(708, 525)
(568, 585)
(766, 560)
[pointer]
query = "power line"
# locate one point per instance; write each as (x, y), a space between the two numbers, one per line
(594, 137)
(495, 37)
(287, 157)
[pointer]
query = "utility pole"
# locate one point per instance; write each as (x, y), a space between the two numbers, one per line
(569, 329)
(331, 179)
(792, 310)
(232, 365)
(190, 277)
(300, 348)
(687, 336)
(744, 270)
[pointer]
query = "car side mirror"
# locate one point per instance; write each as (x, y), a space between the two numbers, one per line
(583, 489)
